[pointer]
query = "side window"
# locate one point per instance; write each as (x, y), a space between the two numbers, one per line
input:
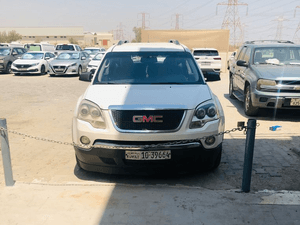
(242, 53)
(19, 51)
(47, 55)
(52, 55)
(79, 48)
(247, 55)
(14, 51)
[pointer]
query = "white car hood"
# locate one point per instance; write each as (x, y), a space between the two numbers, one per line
(148, 96)
(26, 62)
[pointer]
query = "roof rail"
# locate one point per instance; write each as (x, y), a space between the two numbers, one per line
(269, 41)
(122, 42)
(176, 42)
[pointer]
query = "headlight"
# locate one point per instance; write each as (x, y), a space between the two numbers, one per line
(262, 83)
(34, 64)
(204, 113)
(12, 64)
(91, 113)
(73, 64)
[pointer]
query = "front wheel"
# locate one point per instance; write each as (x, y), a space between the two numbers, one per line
(43, 70)
(249, 109)
(231, 88)
(79, 70)
(8, 68)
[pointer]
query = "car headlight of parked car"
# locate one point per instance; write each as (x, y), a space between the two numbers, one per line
(265, 84)
(73, 64)
(204, 113)
(12, 64)
(34, 64)
(91, 113)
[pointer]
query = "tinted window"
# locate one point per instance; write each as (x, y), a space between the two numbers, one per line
(242, 53)
(206, 53)
(247, 55)
(148, 68)
(65, 47)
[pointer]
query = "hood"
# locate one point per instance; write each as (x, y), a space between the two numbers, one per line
(94, 62)
(26, 62)
(56, 62)
(152, 96)
(275, 72)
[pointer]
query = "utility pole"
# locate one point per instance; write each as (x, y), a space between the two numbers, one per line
(232, 21)
(119, 32)
(177, 21)
(296, 38)
(144, 20)
(279, 28)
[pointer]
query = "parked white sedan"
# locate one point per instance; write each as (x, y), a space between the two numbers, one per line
(33, 63)
(95, 62)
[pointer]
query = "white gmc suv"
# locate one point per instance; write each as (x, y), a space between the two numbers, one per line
(148, 110)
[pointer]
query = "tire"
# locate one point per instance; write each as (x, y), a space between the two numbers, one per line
(78, 163)
(217, 161)
(43, 70)
(79, 70)
(249, 109)
(231, 88)
(8, 68)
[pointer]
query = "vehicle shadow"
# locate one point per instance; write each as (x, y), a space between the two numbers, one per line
(292, 115)
(65, 76)
(29, 75)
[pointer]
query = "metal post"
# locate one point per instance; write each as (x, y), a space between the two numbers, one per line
(248, 160)
(6, 154)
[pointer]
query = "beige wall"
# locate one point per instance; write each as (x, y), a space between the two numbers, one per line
(218, 39)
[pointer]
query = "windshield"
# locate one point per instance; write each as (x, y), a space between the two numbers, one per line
(277, 55)
(148, 68)
(67, 56)
(91, 51)
(206, 53)
(99, 56)
(32, 56)
(4, 51)
(65, 47)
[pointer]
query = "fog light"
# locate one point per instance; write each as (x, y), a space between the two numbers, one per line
(85, 140)
(210, 140)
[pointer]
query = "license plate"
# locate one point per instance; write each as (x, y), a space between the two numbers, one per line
(295, 102)
(59, 70)
(22, 69)
(148, 155)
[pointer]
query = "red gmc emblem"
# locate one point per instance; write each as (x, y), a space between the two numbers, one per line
(149, 119)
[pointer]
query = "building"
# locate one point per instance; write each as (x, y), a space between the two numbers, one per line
(61, 35)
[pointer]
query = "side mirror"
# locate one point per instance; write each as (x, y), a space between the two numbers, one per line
(47, 58)
(242, 63)
(14, 53)
(86, 76)
(83, 58)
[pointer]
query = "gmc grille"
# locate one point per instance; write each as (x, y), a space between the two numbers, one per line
(171, 119)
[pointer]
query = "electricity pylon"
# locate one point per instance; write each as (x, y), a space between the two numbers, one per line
(232, 21)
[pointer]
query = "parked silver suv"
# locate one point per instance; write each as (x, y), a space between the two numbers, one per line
(8, 55)
(266, 75)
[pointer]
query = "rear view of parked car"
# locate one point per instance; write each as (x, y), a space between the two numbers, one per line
(66, 47)
(209, 61)
(43, 46)
(33, 63)
(8, 55)
(69, 63)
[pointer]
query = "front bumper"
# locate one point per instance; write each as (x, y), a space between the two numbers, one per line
(273, 99)
(32, 70)
(73, 70)
(184, 158)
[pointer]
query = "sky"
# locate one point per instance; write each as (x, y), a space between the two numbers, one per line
(259, 19)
